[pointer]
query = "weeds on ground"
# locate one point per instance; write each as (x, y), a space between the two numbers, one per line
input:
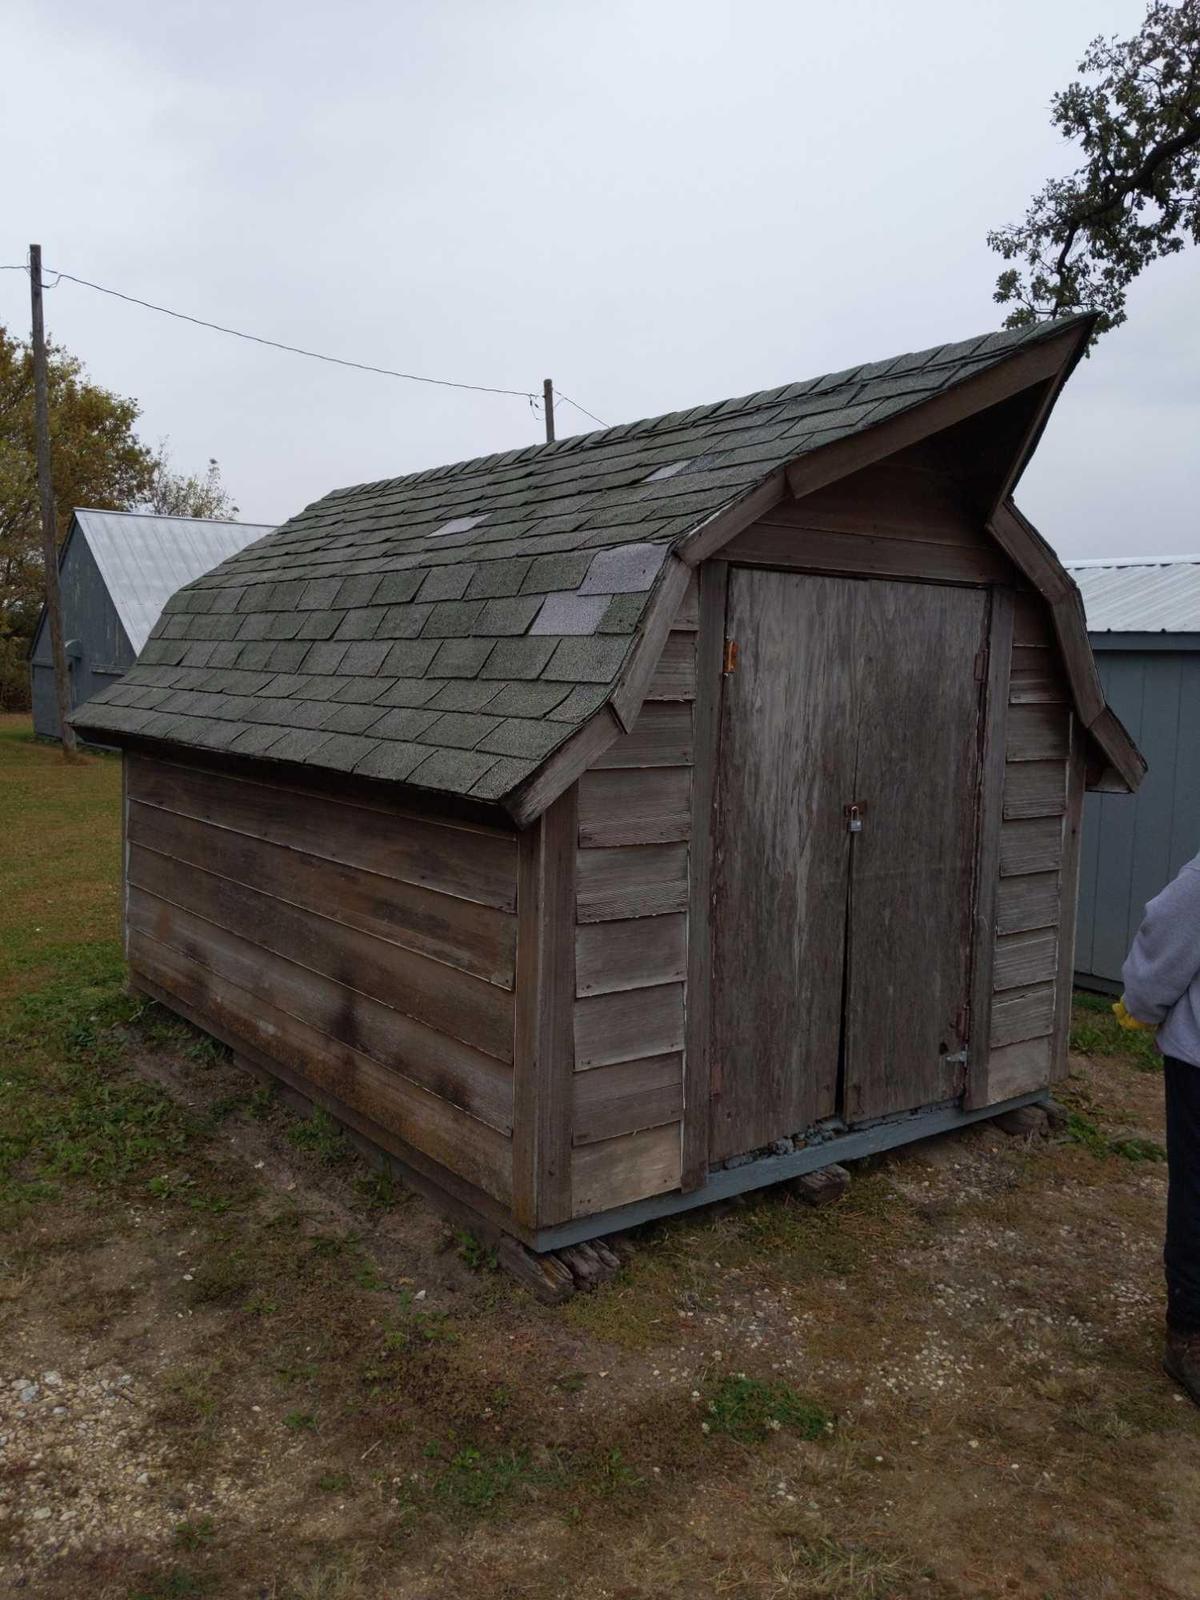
(1096, 1032)
(320, 1136)
(1083, 1131)
(479, 1257)
(749, 1410)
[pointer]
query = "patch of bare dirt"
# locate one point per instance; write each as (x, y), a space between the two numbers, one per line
(263, 1376)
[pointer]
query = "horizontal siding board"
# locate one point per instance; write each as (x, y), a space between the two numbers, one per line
(675, 675)
(633, 881)
(1027, 902)
(645, 806)
(1022, 1014)
(891, 497)
(1037, 733)
(194, 959)
(613, 1172)
(441, 997)
(1032, 624)
(1035, 789)
(661, 737)
(1015, 1069)
(476, 938)
(1038, 686)
(627, 1096)
(1023, 958)
(463, 861)
(1032, 844)
(868, 555)
(634, 954)
(628, 1024)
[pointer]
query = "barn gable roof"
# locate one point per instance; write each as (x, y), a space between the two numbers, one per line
(144, 559)
(483, 630)
(1140, 594)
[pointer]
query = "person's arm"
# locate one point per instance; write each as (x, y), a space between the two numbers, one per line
(1165, 955)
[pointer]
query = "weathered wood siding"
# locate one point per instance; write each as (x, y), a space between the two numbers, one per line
(1038, 859)
(369, 951)
(632, 869)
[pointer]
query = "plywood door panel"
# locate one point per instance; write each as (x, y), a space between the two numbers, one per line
(786, 765)
(917, 774)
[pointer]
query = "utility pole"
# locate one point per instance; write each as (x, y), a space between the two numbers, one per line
(548, 407)
(41, 414)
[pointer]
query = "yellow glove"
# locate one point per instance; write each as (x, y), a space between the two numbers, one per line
(1128, 1021)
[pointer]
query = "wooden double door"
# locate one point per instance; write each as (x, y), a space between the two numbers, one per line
(844, 850)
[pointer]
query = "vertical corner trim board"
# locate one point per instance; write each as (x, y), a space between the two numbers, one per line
(543, 1094)
(631, 941)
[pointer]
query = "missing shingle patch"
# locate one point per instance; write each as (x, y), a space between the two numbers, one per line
(668, 471)
(623, 569)
(570, 613)
(457, 525)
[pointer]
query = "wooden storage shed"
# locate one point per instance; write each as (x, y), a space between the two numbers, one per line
(610, 825)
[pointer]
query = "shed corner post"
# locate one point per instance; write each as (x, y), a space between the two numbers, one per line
(991, 809)
(544, 1043)
(697, 1059)
(1068, 898)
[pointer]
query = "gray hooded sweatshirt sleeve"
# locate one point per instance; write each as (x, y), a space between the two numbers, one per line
(1162, 970)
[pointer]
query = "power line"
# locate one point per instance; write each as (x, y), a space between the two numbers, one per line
(560, 395)
(298, 350)
(292, 349)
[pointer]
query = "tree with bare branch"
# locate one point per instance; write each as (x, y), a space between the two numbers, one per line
(1135, 114)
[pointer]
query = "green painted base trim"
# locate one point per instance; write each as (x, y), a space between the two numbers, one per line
(886, 1134)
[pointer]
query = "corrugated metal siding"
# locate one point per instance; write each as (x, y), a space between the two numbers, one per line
(1133, 845)
(98, 649)
(145, 559)
(1140, 596)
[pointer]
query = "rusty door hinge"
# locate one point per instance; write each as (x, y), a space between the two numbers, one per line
(729, 664)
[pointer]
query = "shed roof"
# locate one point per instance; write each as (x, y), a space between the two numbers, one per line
(144, 559)
(453, 629)
(1140, 594)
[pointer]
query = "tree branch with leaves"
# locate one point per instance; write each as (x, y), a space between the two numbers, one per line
(1135, 114)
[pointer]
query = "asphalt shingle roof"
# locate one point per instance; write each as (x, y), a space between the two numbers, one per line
(450, 629)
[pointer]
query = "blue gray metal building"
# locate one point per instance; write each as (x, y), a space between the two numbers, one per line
(1143, 618)
(117, 569)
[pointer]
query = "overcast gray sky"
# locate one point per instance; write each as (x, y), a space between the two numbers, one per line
(656, 202)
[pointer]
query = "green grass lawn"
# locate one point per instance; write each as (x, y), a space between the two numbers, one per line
(60, 824)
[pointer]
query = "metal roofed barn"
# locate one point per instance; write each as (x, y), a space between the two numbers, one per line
(117, 570)
(1143, 616)
(598, 839)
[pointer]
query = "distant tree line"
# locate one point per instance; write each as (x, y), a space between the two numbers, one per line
(99, 461)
